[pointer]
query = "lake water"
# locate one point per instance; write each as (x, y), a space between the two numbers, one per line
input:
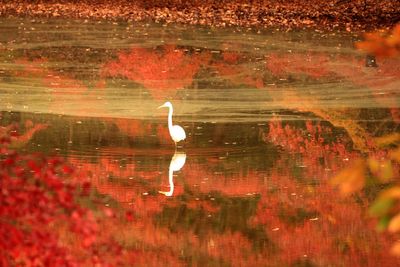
(270, 117)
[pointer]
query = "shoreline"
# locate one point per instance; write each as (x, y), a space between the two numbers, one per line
(339, 15)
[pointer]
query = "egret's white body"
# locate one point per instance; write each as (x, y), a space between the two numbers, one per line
(177, 162)
(176, 132)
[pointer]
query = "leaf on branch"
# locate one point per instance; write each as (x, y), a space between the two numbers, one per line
(383, 170)
(388, 139)
(395, 154)
(395, 250)
(394, 224)
(352, 178)
(382, 224)
(379, 45)
(391, 193)
(381, 207)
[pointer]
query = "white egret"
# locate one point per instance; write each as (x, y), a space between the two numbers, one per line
(177, 162)
(176, 132)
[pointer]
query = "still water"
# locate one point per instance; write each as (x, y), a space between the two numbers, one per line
(270, 117)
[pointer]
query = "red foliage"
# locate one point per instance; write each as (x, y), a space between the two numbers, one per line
(380, 45)
(40, 213)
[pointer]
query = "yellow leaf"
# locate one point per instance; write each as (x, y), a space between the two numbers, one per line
(382, 170)
(395, 154)
(386, 172)
(373, 165)
(352, 178)
(394, 39)
(393, 192)
(394, 224)
(395, 250)
(388, 139)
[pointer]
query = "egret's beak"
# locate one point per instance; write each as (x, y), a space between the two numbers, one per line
(162, 106)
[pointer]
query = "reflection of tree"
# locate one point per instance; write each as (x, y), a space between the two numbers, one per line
(345, 118)
(226, 218)
(293, 63)
(382, 81)
(161, 71)
(320, 65)
(228, 67)
(20, 140)
(297, 212)
(63, 88)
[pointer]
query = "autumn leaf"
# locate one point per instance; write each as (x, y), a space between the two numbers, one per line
(379, 45)
(383, 170)
(382, 224)
(391, 193)
(394, 224)
(395, 154)
(394, 39)
(352, 178)
(395, 250)
(388, 139)
(381, 207)
(373, 165)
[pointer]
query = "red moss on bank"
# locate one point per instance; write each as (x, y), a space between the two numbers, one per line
(288, 14)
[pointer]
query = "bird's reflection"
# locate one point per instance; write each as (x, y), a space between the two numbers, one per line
(177, 162)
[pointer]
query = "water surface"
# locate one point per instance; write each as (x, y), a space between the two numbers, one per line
(270, 117)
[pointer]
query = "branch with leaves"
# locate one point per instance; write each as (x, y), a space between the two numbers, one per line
(381, 172)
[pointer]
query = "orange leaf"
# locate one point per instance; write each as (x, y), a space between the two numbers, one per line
(393, 192)
(373, 165)
(395, 154)
(395, 250)
(388, 139)
(352, 178)
(394, 224)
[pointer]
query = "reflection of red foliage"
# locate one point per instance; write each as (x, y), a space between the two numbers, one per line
(310, 142)
(354, 69)
(230, 69)
(162, 72)
(310, 64)
(303, 220)
(21, 139)
(63, 88)
(230, 57)
(339, 226)
(60, 83)
(383, 81)
(395, 114)
(140, 129)
(332, 231)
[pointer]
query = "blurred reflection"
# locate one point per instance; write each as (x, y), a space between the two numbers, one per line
(177, 162)
(255, 190)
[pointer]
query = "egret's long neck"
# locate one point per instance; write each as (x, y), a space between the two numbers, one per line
(170, 118)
